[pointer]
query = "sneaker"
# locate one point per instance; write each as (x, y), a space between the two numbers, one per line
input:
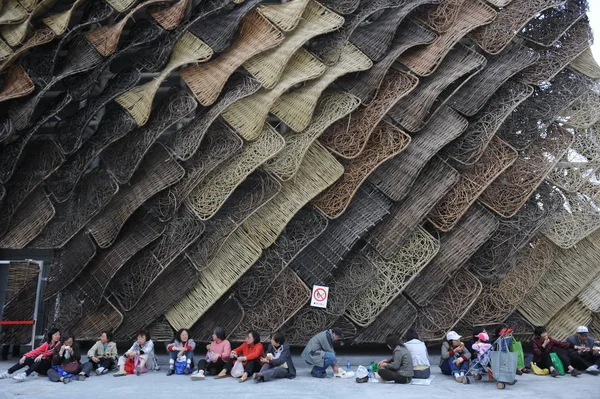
(187, 370)
(80, 377)
(119, 373)
(198, 376)
(593, 370)
(104, 371)
(459, 379)
(99, 370)
(575, 373)
(322, 375)
(170, 372)
(20, 377)
(4, 375)
(554, 373)
(67, 380)
(519, 372)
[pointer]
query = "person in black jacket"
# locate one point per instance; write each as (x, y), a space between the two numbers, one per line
(278, 361)
(65, 362)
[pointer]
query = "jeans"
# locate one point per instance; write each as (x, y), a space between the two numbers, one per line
(40, 367)
(389, 375)
(173, 358)
(88, 367)
(211, 368)
(328, 360)
(449, 368)
(269, 372)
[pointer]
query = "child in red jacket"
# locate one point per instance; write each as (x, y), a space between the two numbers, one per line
(249, 353)
(38, 360)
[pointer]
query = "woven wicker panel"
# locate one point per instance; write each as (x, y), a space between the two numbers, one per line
(5, 50)
(511, 190)
(565, 322)
(396, 177)
(414, 111)
(305, 324)
(71, 129)
(89, 198)
(22, 307)
(138, 101)
(2, 192)
(19, 275)
(397, 318)
(497, 157)
(546, 28)
(219, 145)
(68, 263)
(227, 313)
(282, 300)
(375, 38)
(28, 220)
(157, 172)
(343, 7)
(37, 38)
(474, 95)
(348, 137)
(251, 195)
(586, 64)
(12, 12)
(121, 5)
(185, 143)
(161, 331)
(59, 23)
(285, 16)
(105, 318)
(441, 17)
(595, 324)
(268, 67)
(114, 125)
(329, 47)
(385, 143)
(571, 271)
(248, 115)
(303, 229)
(16, 83)
(317, 263)
(15, 34)
(332, 106)
(494, 37)
(234, 258)
(318, 170)
(566, 49)
(590, 296)
(41, 158)
(296, 108)
(256, 35)
(208, 197)
(456, 247)
(124, 156)
(392, 276)
(169, 16)
(433, 182)
(175, 281)
(582, 114)
(365, 85)
(497, 256)
(426, 60)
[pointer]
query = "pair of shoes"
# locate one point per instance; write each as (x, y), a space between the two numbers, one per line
(99, 370)
(4, 375)
(575, 373)
(519, 372)
(104, 371)
(198, 376)
(80, 377)
(170, 372)
(119, 373)
(20, 377)
(526, 370)
(460, 380)
(187, 370)
(363, 379)
(222, 374)
(66, 380)
(554, 373)
(322, 375)
(243, 379)
(593, 370)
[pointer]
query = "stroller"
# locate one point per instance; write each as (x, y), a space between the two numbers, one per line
(497, 363)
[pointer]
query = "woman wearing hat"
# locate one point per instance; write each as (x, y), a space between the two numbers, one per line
(455, 357)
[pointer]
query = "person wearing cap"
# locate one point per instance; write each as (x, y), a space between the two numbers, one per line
(320, 354)
(455, 357)
(469, 344)
(584, 355)
(542, 346)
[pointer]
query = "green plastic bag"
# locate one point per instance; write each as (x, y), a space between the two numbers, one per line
(557, 363)
(517, 347)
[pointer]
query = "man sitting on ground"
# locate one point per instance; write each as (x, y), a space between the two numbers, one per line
(320, 354)
(584, 355)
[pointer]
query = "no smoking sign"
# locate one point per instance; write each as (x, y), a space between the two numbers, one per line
(319, 296)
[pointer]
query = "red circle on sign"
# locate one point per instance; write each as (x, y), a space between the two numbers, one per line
(320, 295)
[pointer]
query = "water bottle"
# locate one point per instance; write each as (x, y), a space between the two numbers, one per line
(348, 366)
(370, 373)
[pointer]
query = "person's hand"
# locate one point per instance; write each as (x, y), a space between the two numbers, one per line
(233, 354)
(459, 349)
(264, 360)
(62, 350)
(70, 350)
(181, 352)
(208, 347)
(39, 358)
(107, 356)
(95, 359)
(546, 342)
(242, 358)
(22, 360)
(382, 365)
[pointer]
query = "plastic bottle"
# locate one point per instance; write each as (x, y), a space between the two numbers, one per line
(370, 373)
(348, 366)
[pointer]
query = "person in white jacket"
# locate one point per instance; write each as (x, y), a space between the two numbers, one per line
(142, 350)
(419, 354)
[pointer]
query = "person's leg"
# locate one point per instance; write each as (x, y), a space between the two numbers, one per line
(104, 365)
(190, 362)
(252, 366)
(566, 361)
(203, 365)
(142, 361)
(54, 376)
(40, 367)
(5, 349)
(274, 372)
(330, 360)
(28, 362)
(579, 361)
(87, 368)
(172, 360)
(445, 367)
(226, 369)
(121, 365)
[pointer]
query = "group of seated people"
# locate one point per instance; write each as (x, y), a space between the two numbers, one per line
(59, 358)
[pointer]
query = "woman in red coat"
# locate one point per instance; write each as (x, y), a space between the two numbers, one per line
(38, 360)
(249, 353)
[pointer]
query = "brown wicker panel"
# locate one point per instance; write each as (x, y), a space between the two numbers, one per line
(106, 318)
(16, 83)
(161, 331)
(590, 296)
(15, 34)
(37, 38)
(169, 16)
(565, 322)
(121, 5)
(20, 308)
(441, 17)
(385, 143)
(595, 324)
(469, 147)
(157, 172)
(319, 170)
(59, 22)
(397, 318)
(227, 313)
(474, 95)
(5, 50)
(583, 113)
(456, 247)
(497, 157)
(285, 16)
(426, 60)
(305, 324)
(396, 177)
(28, 220)
(392, 276)
(332, 106)
(13, 12)
(365, 85)
(546, 28)
(206, 81)
(507, 194)
(348, 137)
(414, 111)
(19, 276)
(493, 38)
(344, 7)
(586, 64)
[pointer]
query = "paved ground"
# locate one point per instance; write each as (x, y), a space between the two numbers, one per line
(156, 385)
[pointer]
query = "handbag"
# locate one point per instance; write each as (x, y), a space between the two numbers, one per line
(517, 347)
(71, 367)
(238, 369)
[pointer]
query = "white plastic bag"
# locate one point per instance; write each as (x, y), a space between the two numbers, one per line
(237, 370)
(362, 372)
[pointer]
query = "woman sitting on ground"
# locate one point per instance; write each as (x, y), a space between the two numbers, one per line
(141, 352)
(400, 367)
(65, 362)
(249, 353)
(38, 360)
(102, 357)
(542, 346)
(181, 346)
(455, 357)
(217, 355)
(278, 362)
(418, 352)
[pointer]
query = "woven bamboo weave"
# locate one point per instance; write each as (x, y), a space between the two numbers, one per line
(285, 16)
(586, 64)
(5, 50)
(590, 296)
(343, 7)
(121, 5)
(16, 84)
(582, 114)
(59, 23)
(161, 331)
(307, 321)
(20, 273)
(385, 143)
(595, 323)
(12, 12)
(268, 67)
(494, 37)
(37, 38)
(296, 108)
(441, 17)
(497, 157)
(106, 317)
(456, 247)
(396, 177)
(157, 172)
(169, 16)
(348, 137)
(565, 322)
(397, 318)
(20, 308)
(318, 170)
(227, 313)
(15, 34)
(546, 28)
(332, 106)
(256, 35)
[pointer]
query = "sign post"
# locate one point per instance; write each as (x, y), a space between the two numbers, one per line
(319, 296)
